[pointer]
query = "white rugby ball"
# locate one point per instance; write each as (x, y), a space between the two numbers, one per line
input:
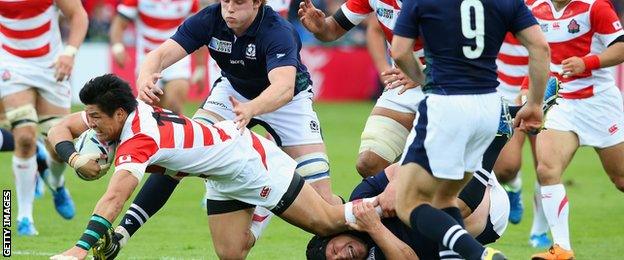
(88, 143)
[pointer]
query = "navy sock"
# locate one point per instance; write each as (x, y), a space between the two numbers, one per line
(151, 198)
(6, 141)
(444, 252)
(438, 226)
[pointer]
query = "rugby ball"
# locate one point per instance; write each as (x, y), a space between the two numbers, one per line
(88, 143)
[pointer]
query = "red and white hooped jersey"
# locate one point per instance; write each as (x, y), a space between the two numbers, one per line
(156, 20)
(582, 28)
(152, 136)
(386, 11)
(512, 62)
(29, 32)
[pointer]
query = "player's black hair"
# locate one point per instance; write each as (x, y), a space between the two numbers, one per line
(108, 93)
(317, 245)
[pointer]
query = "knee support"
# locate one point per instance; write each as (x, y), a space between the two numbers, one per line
(25, 115)
(313, 167)
(47, 122)
(383, 136)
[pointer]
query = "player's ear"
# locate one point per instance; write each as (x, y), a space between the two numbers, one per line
(120, 114)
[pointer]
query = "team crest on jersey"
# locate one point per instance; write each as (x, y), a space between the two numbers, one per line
(574, 26)
(556, 26)
(220, 46)
(6, 75)
(250, 52)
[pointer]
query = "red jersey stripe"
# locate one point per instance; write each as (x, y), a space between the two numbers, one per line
(586, 92)
(137, 149)
(165, 128)
(23, 9)
(257, 145)
(25, 34)
(509, 38)
(160, 23)
(136, 123)
(208, 140)
(510, 80)
(32, 53)
(153, 40)
(222, 135)
(189, 134)
(513, 60)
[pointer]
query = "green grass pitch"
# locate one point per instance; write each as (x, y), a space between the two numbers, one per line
(180, 229)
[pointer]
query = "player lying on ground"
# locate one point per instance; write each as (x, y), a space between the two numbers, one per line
(242, 169)
(483, 204)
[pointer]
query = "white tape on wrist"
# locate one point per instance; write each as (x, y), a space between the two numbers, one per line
(70, 51)
(118, 48)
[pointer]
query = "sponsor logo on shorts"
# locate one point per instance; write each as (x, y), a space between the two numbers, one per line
(6, 75)
(264, 193)
(314, 126)
(219, 104)
(613, 129)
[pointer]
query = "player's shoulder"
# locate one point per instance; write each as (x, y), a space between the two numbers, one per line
(273, 26)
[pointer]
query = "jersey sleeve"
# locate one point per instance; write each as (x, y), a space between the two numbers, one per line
(280, 49)
(522, 17)
(370, 187)
(133, 155)
(195, 31)
(605, 22)
(407, 23)
(352, 13)
(128, 9)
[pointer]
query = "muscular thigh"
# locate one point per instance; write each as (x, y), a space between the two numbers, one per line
(554, 151)
(612, 159)
(230, 231)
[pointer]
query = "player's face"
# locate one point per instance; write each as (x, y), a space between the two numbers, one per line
(345, 247)
(107, 128)
(239, 14)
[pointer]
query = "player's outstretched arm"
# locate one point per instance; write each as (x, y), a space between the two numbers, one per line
(324, 28)
(157, 60)
(78, 23)
(118, 26)
(530, 116)
(121, 186)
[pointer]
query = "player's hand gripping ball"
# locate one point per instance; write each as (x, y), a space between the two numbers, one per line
(103, 153)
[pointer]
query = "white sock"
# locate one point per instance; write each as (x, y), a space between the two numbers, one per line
(56, 178)
(25, 172)
(540, 224)
(515, 184)
(348, 209)
(261, 219)
(556, 210)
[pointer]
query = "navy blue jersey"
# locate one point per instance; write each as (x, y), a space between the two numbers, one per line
(424, 248)
(462, 40)
(269, 42)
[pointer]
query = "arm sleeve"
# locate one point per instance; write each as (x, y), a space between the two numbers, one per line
(281, 49)
(407, 23)
(195, 31)
(370, 187)
(128, 9)
(522, 17)
(133, 155)
(605, 22)
(352, 13)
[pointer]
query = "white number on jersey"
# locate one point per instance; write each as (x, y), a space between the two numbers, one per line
(478, 32)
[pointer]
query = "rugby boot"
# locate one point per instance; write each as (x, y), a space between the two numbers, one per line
(555, 252)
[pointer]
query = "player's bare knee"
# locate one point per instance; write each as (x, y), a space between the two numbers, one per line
(369, 164)
(505, 175)
(25, 141)
(547, 174)
(232, 251)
